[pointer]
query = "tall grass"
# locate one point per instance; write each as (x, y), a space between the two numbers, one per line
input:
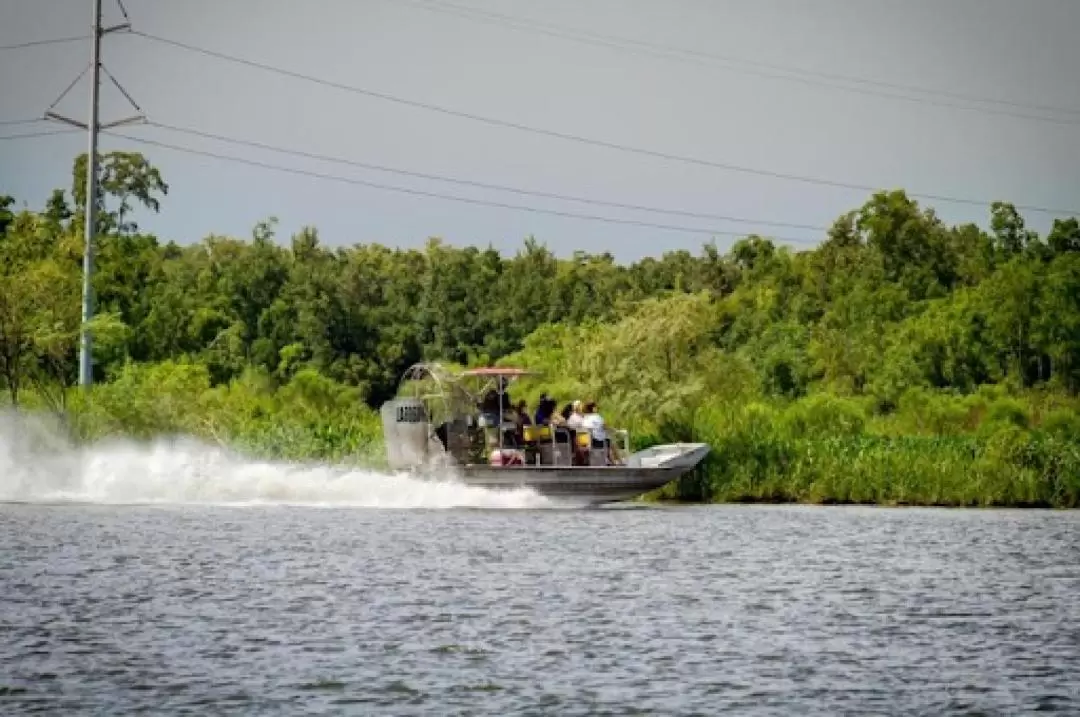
(825, 450)
(308, 418)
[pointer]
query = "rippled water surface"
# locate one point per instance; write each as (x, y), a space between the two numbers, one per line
(749, 610)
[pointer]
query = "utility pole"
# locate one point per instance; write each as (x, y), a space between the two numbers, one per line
(86, 364)
(92, 127)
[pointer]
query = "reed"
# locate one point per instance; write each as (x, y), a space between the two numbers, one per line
(823, 451)
(308, 418)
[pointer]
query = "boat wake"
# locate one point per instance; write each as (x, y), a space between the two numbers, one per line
(37, 466)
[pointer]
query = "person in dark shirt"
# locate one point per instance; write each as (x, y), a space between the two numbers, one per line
(489, 408)
(545, 409)
(523, 413)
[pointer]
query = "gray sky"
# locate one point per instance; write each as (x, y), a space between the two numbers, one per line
(1022, 52)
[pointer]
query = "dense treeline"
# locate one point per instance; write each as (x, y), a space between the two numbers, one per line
(902, 360)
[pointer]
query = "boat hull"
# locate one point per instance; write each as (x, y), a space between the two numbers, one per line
(645, 471)
(579, 485)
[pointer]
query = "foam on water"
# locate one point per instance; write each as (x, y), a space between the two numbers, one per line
(38, 466)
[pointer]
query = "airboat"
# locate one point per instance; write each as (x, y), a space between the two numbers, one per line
(442, 421)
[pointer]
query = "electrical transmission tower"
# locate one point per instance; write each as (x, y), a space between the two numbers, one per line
(92, 127)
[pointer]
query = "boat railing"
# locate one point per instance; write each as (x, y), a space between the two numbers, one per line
(625, 436)
(549, 436)
(545, 436)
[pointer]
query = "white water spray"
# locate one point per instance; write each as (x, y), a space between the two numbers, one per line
(37, 466)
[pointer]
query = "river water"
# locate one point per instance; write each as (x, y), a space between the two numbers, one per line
(259, 589)
(773, 610)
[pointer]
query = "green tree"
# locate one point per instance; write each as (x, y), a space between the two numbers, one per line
(1064, 236)
(126, 177)
(1011, 238)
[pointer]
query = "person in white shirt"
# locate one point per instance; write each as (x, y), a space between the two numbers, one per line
(593, 422)
(574, 422)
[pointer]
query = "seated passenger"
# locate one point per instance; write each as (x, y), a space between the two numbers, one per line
(489, 408)
(574, 420)
(522, 413)
(545, 409)
(506, 457)
(594, 423)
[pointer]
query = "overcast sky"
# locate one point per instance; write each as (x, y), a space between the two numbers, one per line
(1024, 53)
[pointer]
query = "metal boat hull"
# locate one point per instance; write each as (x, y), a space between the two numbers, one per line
(579, 485)
(646, 471)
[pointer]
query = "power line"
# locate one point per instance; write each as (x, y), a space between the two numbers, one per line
(43, 133)
(482, 185)
(804, 76)
(37, 43)
(28, 120)
(448, 197)
(819, 181)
